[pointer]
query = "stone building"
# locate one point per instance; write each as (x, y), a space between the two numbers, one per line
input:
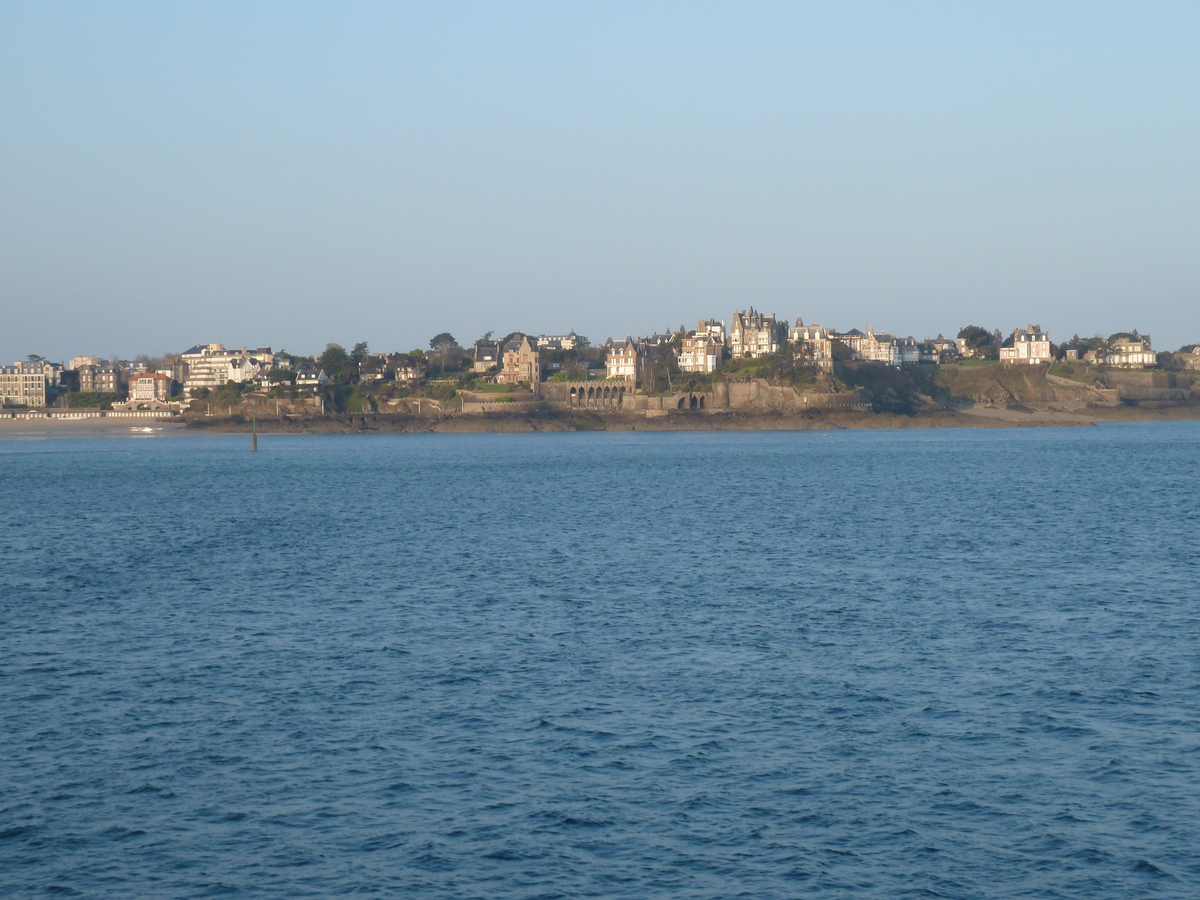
(754, 334)
(1030, 347)
(102, 378)
(625, 361)
(522, 362)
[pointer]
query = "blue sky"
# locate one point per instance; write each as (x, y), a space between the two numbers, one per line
(297, 173)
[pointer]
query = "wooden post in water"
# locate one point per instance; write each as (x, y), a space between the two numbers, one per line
(254, 431)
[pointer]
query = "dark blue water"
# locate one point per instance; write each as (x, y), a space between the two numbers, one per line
(876, 664)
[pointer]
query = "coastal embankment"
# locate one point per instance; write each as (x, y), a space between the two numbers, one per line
(685, 420)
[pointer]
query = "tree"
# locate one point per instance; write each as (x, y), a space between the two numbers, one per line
(981, 343)
(334, 361)
(276, 375)
(359, 351)
(841, 351)
(34, 358)
(1168, 363)
(442, 344)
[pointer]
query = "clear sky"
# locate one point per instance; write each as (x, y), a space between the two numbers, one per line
(298, 173)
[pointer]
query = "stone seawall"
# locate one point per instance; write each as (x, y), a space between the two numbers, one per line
(752, 396)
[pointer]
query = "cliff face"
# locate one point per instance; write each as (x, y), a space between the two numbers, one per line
(1069, 385)
(1018, 385)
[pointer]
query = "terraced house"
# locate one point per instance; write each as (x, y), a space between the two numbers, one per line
(24, 383)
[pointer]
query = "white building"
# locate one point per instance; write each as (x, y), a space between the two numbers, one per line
(754, 334)
(211, 365)
(703, 350)
(880, 347)
(1030, 347)
(310, 376)
(570, 341)
(1133, 352)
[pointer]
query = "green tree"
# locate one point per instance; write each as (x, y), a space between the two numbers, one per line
(334, 361)
(980, 342)
(359, 352)
(442, 344)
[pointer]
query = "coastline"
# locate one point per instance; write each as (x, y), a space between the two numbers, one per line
(812, 420)
(580, 420)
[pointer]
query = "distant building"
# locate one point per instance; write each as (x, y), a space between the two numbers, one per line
(149, 386)
(1030, 347)
(1132, 352)
(570, 341)
(100, 378)
(880, 347)
(813, 343)
(714, 328)
(753, 334)
(1192, 360)
(625, 361)
(24, 384)
(310, 376)
(408, 370)
(851, 340)
(211, 365)
(522, 362)
(944, 347)
(373, 368)
(700, 352)
(486, 356)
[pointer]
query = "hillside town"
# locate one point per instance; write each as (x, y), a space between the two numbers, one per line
(565, 369)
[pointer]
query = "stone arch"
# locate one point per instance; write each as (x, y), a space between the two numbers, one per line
(680, 404)
(692, 402)
(702, 403)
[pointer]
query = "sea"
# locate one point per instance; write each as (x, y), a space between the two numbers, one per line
(857, 664)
